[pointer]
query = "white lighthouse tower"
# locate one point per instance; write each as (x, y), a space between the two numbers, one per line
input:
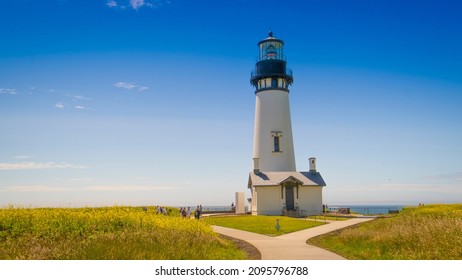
(273, 148)
(276, 187)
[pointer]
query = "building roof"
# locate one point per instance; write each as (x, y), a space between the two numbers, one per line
(277, 178)
(271, 38)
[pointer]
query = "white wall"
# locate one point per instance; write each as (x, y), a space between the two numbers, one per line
(272, 113)
(240, 203)
(310, 199)
(269, 201)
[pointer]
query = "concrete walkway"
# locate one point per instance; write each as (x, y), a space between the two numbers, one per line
(292, 246)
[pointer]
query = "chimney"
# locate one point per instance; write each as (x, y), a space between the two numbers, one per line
(312, 161)
(256, 165)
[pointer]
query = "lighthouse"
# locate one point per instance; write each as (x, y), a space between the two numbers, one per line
(275, 184)
(273, 147)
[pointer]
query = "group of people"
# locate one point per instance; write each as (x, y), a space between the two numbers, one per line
(186, 212)
(161, 210)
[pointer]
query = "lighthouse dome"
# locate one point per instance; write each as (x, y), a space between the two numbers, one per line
(271, 69)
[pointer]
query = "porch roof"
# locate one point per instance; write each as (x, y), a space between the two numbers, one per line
(274, 178)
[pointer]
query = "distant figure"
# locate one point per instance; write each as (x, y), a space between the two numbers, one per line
(183, 212)
(145, 209)
(197, 213)
(188, 213)
(233, 209)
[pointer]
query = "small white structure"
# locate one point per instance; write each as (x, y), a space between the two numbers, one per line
(240, 203)
(274, 192)
(275, 184)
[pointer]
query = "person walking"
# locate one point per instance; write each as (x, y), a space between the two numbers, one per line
(197, 213)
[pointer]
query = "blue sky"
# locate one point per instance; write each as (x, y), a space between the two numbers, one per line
(149, 102)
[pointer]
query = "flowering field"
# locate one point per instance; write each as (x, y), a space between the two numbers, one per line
(430, 232)
(107, 233)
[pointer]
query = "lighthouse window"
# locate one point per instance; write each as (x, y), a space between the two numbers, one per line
(276, 144)
(271, 52)
(274, 82)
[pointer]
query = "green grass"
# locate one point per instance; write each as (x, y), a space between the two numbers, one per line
(328, 218)
(114, 233)
(431, 232)
(263, 224)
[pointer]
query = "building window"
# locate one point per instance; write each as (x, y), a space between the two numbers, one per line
(276, 144)
(276, 141)
(274, 82)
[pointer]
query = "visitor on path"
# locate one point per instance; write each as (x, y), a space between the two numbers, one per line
(183, 212)
(197, 213)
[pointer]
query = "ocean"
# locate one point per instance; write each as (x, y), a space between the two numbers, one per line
(370, 209)
(361, 209)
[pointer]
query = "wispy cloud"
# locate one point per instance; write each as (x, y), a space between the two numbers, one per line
(83, 179)
(37, 165)
(135, 4)
(127, 188)
(59, 105)
(22, 157)
(75, 98)
(8, 91)
(130, 86)
(124, 85)
(111, 4)
(98, 188)
(78, 97)
(401, 188)
(79, 107)
(456, 176)
(33, 188)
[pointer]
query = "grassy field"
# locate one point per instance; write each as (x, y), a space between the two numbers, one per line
(431, 232)
(263, 224)
(328, 218)
(108, 233)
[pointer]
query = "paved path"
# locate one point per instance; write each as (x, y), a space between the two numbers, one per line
(291, 246)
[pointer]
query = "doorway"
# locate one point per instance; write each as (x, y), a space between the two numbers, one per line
(290, 205)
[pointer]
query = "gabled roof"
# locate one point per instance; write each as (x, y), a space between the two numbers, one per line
(274, 178)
